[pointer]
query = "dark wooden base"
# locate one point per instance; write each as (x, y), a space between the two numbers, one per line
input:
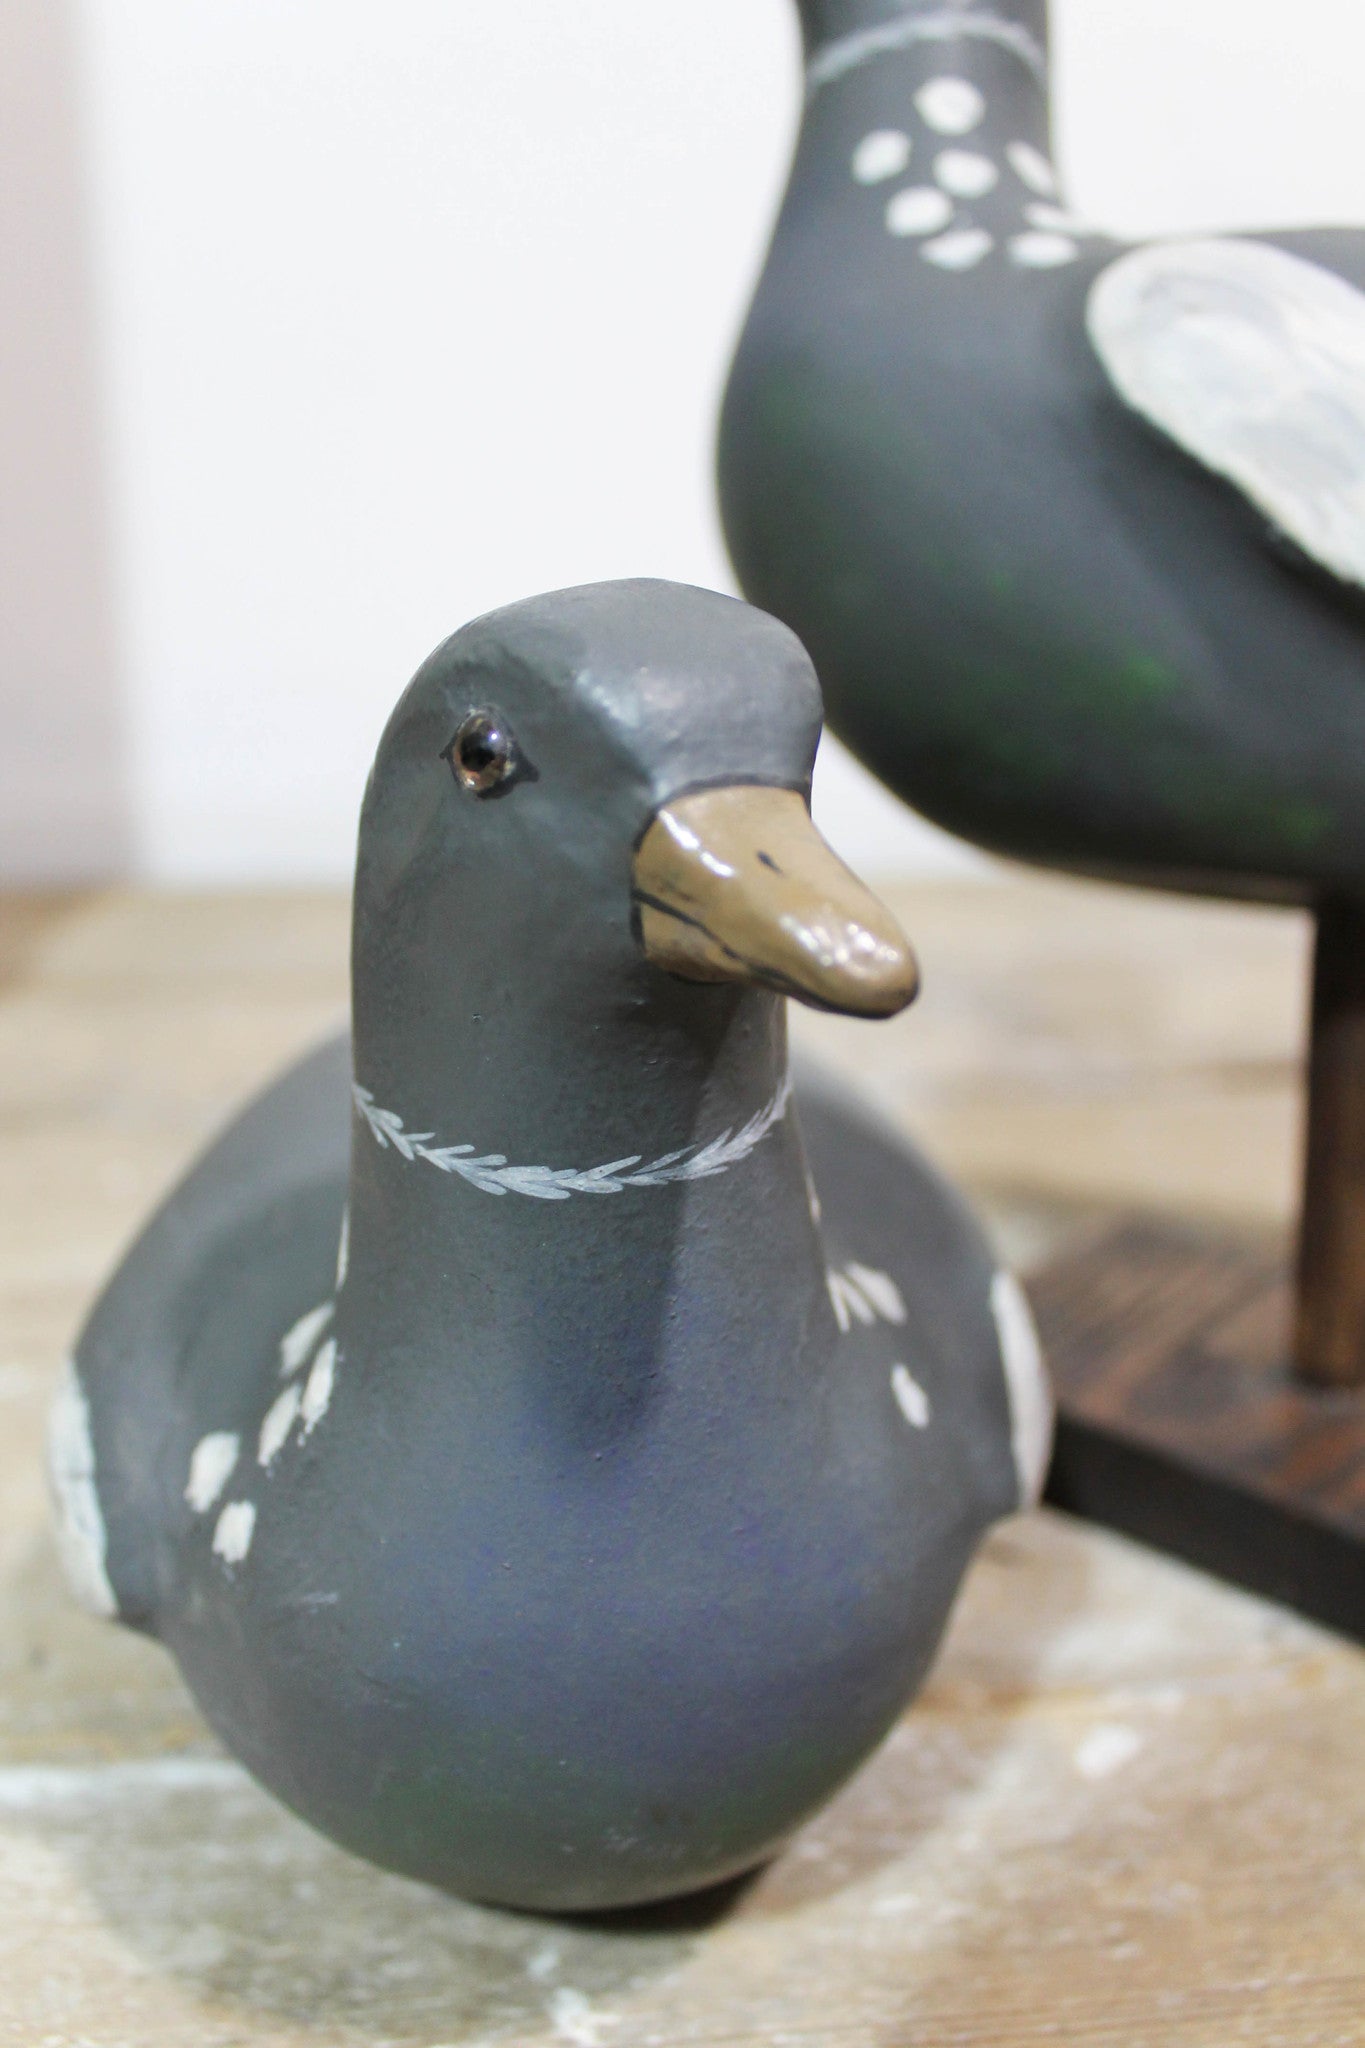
(1180, 1423)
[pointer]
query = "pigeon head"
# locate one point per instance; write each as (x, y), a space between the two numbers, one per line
(619, 776)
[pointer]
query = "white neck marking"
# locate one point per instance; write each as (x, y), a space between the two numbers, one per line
(492, 1175)
(849, 52)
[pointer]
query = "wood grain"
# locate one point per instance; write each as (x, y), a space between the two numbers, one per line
(1329, 1334)
(1184, 1422)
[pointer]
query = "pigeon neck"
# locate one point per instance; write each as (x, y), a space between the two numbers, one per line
(632, 1207)
(571, 1090)
(999, 47)
(824, 22)
(482, 1094)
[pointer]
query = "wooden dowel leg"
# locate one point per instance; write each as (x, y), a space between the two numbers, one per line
(1329, 1339)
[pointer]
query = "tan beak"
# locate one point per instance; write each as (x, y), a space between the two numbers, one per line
(736, 884)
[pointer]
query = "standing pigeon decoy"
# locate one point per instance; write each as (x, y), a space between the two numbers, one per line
(572, 1530)
(1074, 532)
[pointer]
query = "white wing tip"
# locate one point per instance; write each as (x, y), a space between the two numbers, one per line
(79, 1519)
(1251, 360)
(1032, 1411)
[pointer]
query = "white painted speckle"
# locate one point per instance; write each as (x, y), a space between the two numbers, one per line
(1041, 251)
(234, 1530)
(882, 154)
(544, 1962)
(950, 106)
(862, 1294)
(573, 2018)
(1107, 1749)
(82, 1540)
(212, 1463)
(849, 1302)
(1032, 167)
(880, 1290)
(344, 1248)
(297, 1343)
(911, 1398)
(962, 249)
(965, 173)
(918, 210)
(1054, 219)
(279, 1420)
(317, 1394)
(1027, 1385)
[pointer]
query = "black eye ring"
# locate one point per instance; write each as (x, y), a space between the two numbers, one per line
(484, 756)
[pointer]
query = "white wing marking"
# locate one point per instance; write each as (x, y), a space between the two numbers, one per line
(81, 1539)
(317, 1394)
(1254, 362)
(880, 1289)
(1027, 1384)
(212, 1463)
(234, 1530)
(911, 1398)
(861, 1294)
(298, 1344)
(279, 1420)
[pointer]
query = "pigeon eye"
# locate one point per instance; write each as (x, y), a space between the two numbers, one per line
(483, 755)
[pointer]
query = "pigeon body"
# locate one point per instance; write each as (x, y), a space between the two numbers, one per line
(544, 1489)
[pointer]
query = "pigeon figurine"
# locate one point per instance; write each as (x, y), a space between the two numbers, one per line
(549, 1447)
(1074, 530)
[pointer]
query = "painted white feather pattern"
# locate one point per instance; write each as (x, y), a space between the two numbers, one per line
(280, 1417)
(317, 1393)
(299, 1342)
(861, 1294)
(1253, 361)
(491, 1173)
(212, 1463)
(234, 1530)
(910, 1397)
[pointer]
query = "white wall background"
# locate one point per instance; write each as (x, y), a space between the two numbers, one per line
(406, 310)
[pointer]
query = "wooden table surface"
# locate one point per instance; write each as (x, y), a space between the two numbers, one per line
(1129, 1808)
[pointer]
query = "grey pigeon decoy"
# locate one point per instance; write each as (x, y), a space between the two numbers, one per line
(1074, 531)
(544, 1489)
